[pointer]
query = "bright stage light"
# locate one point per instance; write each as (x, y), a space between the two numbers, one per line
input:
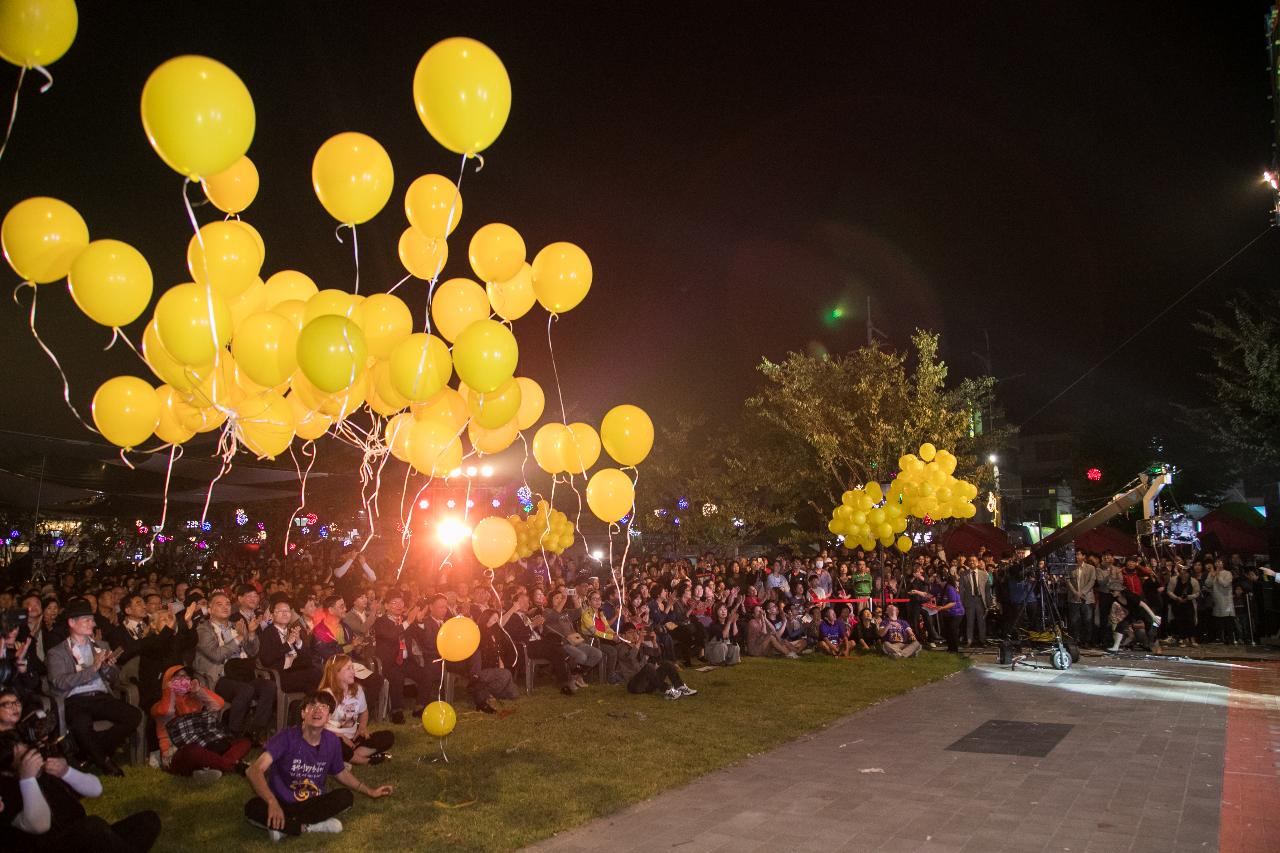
(452, 531)
(456, 472)
(597, 555)
(486, 470)
(424, 504)
(471, 470)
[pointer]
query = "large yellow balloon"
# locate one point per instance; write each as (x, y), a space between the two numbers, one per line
(193, 323)
(495, 408)
(126, 410)
(41, 237)
(293, 311)
(433, 205)
(432, 448)
(496, 252)
(420, 366)
(493, 541)
(309, 423)
(561, 276)
(352, 177)
(549, 444)
(439, 718)
(610, 494)
(492, 440)
(333, 301)
(332, 352)
(250, 301)
(463, 94)
(169, 428)
(447, 407)
(265, 424)
(457, 303)
(396, 435)
(198, 115)
(532, 401)
(182, 378)
(485, 355)
(627, 434)
(110, 282)
(422, 256)
(458, 639)
(289, 284)
(582, 448)
(512, 299)
(234, 189)
(226, 255)
(265, 347)
(386, 321)
(36, 32)
(928, 451)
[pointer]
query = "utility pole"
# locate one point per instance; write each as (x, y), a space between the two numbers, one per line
(874, 335)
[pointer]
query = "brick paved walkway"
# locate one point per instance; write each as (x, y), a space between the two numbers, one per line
(1123, 755)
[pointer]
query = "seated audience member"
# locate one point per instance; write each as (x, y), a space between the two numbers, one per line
(191, 736)
(654, 673)
(224, 660)
(526, 632)
(289, 777)
(359, 619)
(40, 806)
(897, 640)
(350, 717)
(866, 635)
(560, 621)
(329, 637)
(763, 639)
(722, 635)
(283, 648)
(833, 634)
(391, 633)
(84, 672)
(424, 633)
(594, 626)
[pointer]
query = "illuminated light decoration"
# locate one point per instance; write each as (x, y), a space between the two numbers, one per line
(353, 533)
(676, 521)
(144, 530)
(451, 503)
(424, 504)
(306, 530)
(525, 494)
(660, 513)
(346, 543)
(311, 518)
(840, 537)
(682, 503)
(634, 532)
(451, 531)
(262, 526)
(202, 545)
(241, 518)
(193, 525)
(262, 534)
(324, 532)
(456, 472)
(137, 522)
(527, 507)
(495, 503)
(191, 538)
(470, 503)
(626, 519)
(486, 470)
(399, 527)
(737, 522)
(597, 555)
(709, 509)
(992, 504)
(293, 546)
(162, 539)
(206, 526)
(1094, 474)
(1271, 179)
(14, 534)
(928, 521)
(59, 542)
(57, 533)
(158, 528)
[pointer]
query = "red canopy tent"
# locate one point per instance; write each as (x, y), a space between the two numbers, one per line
(1223, 533)
(1106, 538)
(968, 538)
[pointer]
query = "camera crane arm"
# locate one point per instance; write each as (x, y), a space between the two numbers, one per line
(1146, 492)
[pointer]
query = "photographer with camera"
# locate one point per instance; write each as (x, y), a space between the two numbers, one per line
(40, 806)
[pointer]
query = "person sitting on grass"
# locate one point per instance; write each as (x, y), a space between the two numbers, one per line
(289, 777)
(654, 672)
(866, 635)
(763, 639)
(897, 640)
(350, 717)
(191, 738)
(833, 635)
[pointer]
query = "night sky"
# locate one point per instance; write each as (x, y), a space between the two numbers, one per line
(1050, 174)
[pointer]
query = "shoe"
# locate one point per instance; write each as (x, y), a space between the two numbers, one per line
(330, 825)
(673, 693)
(379, 758)
(397, 717)
(579, 681)
(276, 835)
(792, 656)
(1156, 620)
(206, 775)
(486, 708)
(686, 690)
(110, 768)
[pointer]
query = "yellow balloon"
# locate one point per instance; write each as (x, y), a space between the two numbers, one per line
(463, 94)
(293, 311)
(396, 435)
(457, 303)
(439, 718)
(485, 355)
(431, 448)
(386, 321)
(496, 252)
(352, 177)
(265, 424)
(380, 383)
(346, 402)
(331, 352)
(126, 410)
(233, 189)
(627, 434)
(110, 282)
(193, 322)
(494, 541)
(928, 451)
(512, 299)
(220, 387)
(458, 639)
(197, 115)
(582, 448)
(289, 285)
(447, 407)
(495, 408)
(36, 32)
(422, 256)
(532, 401)
(610, 494)
(492, 440)
(561, 276)
(549, 444)
(433, 206)
(167, 368)
(309, 423)
(170, 429)
(420, 366)
(226, 255)
(252, 300)
(265, 347)
(41, 237)
(332, 301)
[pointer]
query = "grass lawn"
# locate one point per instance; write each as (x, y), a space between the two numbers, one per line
(553, 763)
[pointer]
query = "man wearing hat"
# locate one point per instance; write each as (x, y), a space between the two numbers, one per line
(83, 672)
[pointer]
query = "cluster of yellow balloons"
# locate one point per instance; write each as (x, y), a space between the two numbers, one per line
(924, 487)
(626, 434)
(546, 529)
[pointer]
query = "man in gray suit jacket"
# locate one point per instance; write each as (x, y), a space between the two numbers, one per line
(975, 596)
(224, 662)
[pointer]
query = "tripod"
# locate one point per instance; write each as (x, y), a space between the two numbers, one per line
(1046, 630)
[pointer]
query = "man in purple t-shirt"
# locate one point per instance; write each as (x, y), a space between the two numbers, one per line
(898, 640)
(289, 777)
(833, 634)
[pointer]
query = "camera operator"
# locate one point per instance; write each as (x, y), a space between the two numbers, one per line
(41, 806)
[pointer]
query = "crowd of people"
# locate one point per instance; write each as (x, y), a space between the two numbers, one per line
(208, 655)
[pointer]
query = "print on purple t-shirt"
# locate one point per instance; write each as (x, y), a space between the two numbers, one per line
(299, 770)
(832, 632)
(896, 630)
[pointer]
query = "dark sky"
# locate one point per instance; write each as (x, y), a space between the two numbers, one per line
(1049, 173)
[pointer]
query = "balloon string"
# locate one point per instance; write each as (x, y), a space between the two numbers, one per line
(48, 78)
(308, 449)
(631, 519)
(355, 247)
(66, 385)
(479, 161)
(564, 418)
(13, 114)
(213, 320)
(448, 226)
(125, 459)
(396, 286)
(175, 453)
